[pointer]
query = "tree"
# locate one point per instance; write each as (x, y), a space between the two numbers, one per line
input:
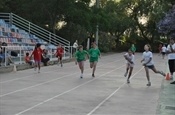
(166, 26)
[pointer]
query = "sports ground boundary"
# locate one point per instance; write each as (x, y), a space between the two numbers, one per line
(166, 102)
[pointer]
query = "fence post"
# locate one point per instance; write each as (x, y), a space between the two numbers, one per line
(20, 56)
(5, 57)
(51, 57)
(11, 19)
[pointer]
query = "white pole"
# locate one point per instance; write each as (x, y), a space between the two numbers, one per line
(20, 52)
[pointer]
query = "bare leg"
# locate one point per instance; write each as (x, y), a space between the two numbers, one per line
(58, 59)
(127, 69)
(81, 66)
(94, 68)
(147, 75)
(91, 64)
(35, 66)
(130, 72)
(157, 71)
(61, 62)
(39, 67)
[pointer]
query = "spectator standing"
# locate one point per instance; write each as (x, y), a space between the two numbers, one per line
(75, 46)
(163, 51)
(171, 57)
(133, 48)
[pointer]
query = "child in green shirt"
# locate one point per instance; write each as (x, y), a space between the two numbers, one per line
(133, 48)
(80, 56)
(94, 53)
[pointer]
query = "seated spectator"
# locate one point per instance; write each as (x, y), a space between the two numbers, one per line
(4, 57)
(27, 59)
(8, 58)
(45, 58)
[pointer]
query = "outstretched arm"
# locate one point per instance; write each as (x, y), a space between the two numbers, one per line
(147, 61)
(130, 61)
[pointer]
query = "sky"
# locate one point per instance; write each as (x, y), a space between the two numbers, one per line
(93, 2)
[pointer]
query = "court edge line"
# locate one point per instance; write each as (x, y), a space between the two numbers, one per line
(46, 82)
(100, 104)
(67, 91)
(42, 72)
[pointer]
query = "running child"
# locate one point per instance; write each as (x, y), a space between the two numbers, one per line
(129, 64)
(28, 59)
(59, 54)
(160, 48)
(37, 53)
(80, 56)
(133, 48)
(148, 63)
(94, 53)
(163, 51)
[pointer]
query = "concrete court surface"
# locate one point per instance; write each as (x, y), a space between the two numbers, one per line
(60, 91)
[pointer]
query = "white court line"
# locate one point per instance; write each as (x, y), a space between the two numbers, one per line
(43, 72)
(24, 111)
(47, 82)
(31, 75)
(100, 104)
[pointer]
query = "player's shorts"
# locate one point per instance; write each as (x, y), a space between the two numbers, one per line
(80, 60)
(150, 66)
(130, 65)
(60, 57)
(93, 59)
(163, 53)
(37, 61)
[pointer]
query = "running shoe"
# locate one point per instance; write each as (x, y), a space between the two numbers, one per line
(149, 84)
(172, 82)
(128, 81)
(125, 74)
(162, 73)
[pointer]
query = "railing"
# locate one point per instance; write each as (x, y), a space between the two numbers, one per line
(31, 28)
(22, 50)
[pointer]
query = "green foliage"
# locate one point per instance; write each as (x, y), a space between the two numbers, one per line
(119, 22)
(106, 42)
(73, 32)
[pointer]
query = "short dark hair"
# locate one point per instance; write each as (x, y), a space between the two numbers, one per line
(27, 54)
(172, 38)
(80, 46)
(38, 45)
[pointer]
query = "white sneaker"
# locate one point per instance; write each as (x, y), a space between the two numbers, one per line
(81, 76)
(38, 71)
(149, 83)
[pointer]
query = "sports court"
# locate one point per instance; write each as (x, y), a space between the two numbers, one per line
(60, 91)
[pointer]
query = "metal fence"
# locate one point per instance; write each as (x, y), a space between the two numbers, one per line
(32, 29)
(22, 50)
